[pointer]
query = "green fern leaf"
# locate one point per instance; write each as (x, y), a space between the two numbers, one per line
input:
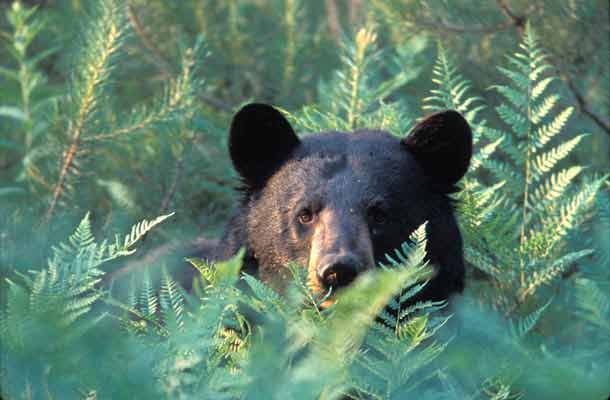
(544, 162)
(547, 274)
(269, 299)
(545, 133)
(554, 187)
(524, 325)
(172, 302)
(542, 110)
(540, 87)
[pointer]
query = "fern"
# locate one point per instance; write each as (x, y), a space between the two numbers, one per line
(60, 136)
(68, 286)
(359, 94)
(266, 298)
(104, 40)
(148, 298)
(392, 357)
(411, 256)
(518, 234)
(453, 91)
(524, 325)
(172, 302)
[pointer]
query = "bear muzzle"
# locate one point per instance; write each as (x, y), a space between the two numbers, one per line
(336, 271)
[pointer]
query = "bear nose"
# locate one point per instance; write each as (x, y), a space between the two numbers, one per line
(339, 272)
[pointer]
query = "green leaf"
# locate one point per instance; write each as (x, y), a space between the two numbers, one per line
(227, 272)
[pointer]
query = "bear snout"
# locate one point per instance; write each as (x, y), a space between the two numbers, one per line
(338, 270)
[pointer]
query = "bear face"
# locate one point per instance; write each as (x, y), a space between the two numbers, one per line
(337, 202)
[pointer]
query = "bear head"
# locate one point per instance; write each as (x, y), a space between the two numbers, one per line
(337, 202)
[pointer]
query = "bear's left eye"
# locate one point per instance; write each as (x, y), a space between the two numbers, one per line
(377, 215)
(305, 216)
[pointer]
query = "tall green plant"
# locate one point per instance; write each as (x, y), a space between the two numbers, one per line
(33, 112)
(59, 146)
(518, 236)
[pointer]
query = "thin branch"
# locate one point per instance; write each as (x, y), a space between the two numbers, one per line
(63, 174)
(513, 20)
(161, 62)
(517, 20)
(463, 29)
(172, 189)
(584, 106)
(164, 66)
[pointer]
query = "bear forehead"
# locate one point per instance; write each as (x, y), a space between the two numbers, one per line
(356, 165)
(364, 153)
(355, 144)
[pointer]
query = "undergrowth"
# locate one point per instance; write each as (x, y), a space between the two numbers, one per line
(534, 321)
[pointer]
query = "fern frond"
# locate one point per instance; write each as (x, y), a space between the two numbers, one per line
(138, 231)
(177, 98)
(172, 302)
(540, 87)
(484, 154)
(270, 300)
(518, 100)
(544, 162)
(452, 92)
(103, 42)
(542, 110)
(571, 209)
(505, 172)
(593, 303)
(553, 271)
(555, 186)
(515, 119)
(523, 326)
(75, 309)
(556, 222)
(299, 280)
(519, 79)
(148, 298)
(545, 133)
(482, 262)
(509, 146)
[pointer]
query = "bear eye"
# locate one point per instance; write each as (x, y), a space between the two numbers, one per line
(377, 215)
(305, 216)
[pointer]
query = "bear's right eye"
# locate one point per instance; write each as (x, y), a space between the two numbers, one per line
(377, 215)
(305, 216)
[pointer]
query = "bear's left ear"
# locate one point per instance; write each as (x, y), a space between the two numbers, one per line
(260, 141)
(442, 145)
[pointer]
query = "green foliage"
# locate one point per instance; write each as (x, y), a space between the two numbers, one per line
(359, 94)
(518, 236)
(103, 108)
(208, 346)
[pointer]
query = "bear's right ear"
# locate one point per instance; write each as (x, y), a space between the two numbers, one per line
(442, 145)
(260, 141)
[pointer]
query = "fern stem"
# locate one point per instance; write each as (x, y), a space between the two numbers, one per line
(522, 235)
(364, 38)
(95, 76)
(67, 163)
(527, 167)
(174, 185)
(162, 64)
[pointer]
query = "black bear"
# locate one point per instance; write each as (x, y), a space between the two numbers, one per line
(337, 202)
